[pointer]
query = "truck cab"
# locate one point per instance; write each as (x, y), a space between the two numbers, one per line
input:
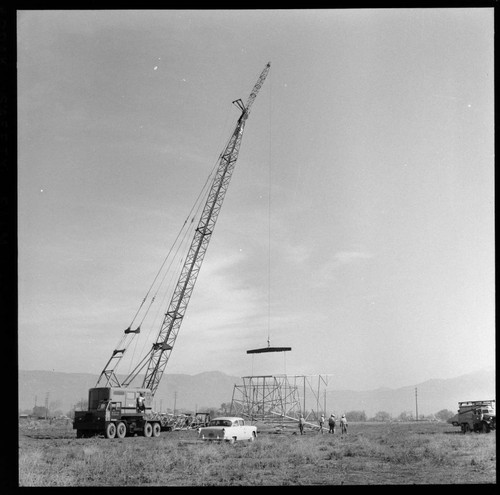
(112, 410)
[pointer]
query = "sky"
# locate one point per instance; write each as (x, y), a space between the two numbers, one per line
(358, 228)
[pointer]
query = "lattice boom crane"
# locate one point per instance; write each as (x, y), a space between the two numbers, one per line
(113, 408)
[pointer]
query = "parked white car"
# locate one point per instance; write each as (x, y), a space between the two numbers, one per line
(228, 428)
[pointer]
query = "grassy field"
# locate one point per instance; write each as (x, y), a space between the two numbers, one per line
(371, 454)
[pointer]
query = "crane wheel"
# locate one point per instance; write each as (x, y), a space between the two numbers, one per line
(110, 430)
(148, 429)
(121, 430)
(156, 429)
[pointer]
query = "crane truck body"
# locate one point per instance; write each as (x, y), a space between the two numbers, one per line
(112, 407)
(113, 411)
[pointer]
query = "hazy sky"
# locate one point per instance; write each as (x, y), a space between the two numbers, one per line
(358, 228)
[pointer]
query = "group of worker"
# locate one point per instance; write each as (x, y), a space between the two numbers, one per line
(331, 424)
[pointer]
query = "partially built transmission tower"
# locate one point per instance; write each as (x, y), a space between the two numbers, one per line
(280, 399)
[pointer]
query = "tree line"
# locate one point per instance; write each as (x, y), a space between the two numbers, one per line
(384, 416)
(225, 409)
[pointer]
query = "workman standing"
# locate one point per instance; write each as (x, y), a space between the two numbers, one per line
(321, 423)
(141, 406)
(302, 422)
(331, 424)
(343, 424)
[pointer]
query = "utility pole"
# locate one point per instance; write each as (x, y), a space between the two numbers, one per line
(46, 405)
(304, 395)
(416, 403)
(175, 400)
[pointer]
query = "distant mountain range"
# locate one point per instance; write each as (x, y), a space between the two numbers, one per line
(210, 389)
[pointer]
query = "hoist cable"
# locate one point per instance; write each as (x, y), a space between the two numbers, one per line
(168, 271)
(197, 205)
(269, 220)
(163, 263)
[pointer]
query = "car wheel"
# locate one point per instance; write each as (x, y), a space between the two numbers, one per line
(252, 438)
(232, 440)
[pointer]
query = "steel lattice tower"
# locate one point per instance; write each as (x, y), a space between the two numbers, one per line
(280, 399)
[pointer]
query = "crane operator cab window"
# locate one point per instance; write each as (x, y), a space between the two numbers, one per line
(107, 405)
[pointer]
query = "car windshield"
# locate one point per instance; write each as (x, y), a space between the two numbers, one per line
(220, 422)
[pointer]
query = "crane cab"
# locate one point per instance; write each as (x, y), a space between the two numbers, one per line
(124, 399)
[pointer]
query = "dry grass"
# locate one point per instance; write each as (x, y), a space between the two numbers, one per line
(371, 454)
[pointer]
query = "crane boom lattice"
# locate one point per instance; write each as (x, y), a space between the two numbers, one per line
(156, 359)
